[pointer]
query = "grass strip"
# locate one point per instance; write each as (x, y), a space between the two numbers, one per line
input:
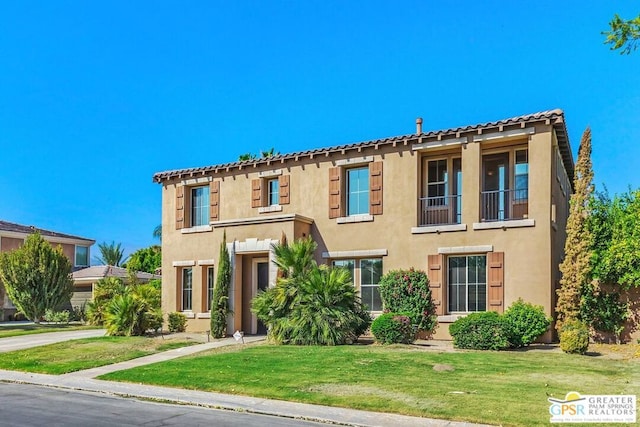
(507, 388)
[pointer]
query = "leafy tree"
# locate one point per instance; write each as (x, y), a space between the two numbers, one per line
(624, 34)
(575, 267)
(146, 259)
(111, 254)
(220, 298)
(310, 305)
(37, 277)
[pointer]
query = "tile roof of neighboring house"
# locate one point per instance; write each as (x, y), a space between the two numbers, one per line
(98, 272)
(30, 229)
(553, 117)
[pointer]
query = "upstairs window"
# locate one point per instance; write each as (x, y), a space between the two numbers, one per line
(199, 206)
(82, 256)
(273, 196)
(442, 191)
(358, 191)
(521, 178)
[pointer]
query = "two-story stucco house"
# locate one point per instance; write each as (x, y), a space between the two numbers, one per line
(12, 236)
(481, 208)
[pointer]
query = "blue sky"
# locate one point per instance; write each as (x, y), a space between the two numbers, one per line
(96, 97)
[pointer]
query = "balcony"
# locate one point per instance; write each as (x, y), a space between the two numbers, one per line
(504, 205)
(440, 210)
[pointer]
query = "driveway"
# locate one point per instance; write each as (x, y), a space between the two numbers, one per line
(35, 340)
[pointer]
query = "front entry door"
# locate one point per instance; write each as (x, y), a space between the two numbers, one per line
(262, 277)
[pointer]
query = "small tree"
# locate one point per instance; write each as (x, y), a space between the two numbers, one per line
(220, 299)
(407, 291)
(146, 259)
(575, 267)
(37, 277)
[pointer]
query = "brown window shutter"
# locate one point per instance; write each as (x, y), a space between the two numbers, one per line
(435, 265)
(495, 261)
(334, 192)
(214, 201)
(375, 188)
(256, 193)
(179, 207)
(283, 183)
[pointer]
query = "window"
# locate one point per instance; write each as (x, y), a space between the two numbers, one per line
(442, 201)
(273, 197)
(187, 289)
(199, 206)
(82, 256)
(370, 273)
(357, 191)
(467, 277)
(365, 274)
(505, 187)
(210, 284)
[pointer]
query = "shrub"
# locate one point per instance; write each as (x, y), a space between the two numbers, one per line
(574, 337)
(407, 291)
(56, 316)
(133, 311)
(394, 328)
(480, 331)
(319, 307)
(525, 322)
(177, 322)
(103, 292)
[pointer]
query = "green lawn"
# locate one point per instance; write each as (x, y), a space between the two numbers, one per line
(9, 330)
(508, 388)
(75, 355)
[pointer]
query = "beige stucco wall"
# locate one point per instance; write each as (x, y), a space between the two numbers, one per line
(531, 252)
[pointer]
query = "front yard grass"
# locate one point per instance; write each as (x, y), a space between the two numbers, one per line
(507, 388)
(75, 355)
(8, 330)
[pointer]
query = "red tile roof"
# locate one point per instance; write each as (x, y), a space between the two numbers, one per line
(553, 117)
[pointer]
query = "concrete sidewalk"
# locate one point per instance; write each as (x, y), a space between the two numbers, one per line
(85, 381)
(35, 340)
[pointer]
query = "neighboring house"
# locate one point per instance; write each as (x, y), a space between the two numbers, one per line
(85, 279)
(481, 208)
(12, 236)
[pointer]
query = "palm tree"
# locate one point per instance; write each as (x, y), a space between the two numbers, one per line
(246, 156)
(295, 260)
(157, 232)
(269, 153)
(111, 254)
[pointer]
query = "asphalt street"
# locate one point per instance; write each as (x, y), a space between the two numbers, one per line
(35, 406)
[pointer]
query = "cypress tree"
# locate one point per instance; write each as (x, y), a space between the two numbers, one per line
(36, 276)
(575, 267)
(220, 299)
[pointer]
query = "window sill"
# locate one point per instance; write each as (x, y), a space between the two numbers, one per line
(197, 229)
(354, 218)
(189, 314)
(516, 223)
(439, 228)
(450, 318)
(269, 209)
(206, 315)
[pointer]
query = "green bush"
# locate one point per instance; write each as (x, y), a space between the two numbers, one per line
(525, 323)
(56, 316)
(177, 322)
(407, 291)
(574, 337)
(103, 292)
(480, 331)
(394, 328)
(134, 311)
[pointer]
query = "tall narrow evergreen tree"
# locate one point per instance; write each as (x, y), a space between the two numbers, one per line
(37, 277)
(575, 267)
(220, 299)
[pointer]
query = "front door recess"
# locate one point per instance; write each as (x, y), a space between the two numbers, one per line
(262, 276)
